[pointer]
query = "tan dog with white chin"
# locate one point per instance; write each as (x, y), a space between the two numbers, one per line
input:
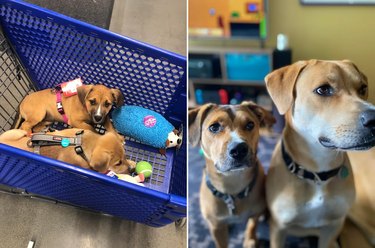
(232, 188)
(90, 106)
(103, 152)
(310, 186)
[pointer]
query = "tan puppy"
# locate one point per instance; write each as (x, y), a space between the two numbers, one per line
(326, 114)
(359, 231)
(90, 106)
(232, 188)
(103, 152)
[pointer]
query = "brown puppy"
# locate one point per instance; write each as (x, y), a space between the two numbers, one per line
(359, 231)
(232, 188)
(310, 186)
(103, 152)
(90, 106)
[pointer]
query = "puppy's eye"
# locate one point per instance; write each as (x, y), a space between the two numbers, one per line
(107, 104)
(215, 128)
(363, 90)
(249, 125)
(118, 163)
(92, 102)
(324, 90)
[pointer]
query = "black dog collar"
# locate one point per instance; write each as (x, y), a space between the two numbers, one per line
(229, 199)
(297, 169)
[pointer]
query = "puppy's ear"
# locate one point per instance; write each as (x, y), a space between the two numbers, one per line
(280, 85)
(196, 118)
(265, 117)
(118, 97)
(83, 91)
(100, 160)
(363, 76)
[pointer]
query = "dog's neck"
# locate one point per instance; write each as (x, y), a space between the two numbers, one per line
(87, 143)
(309, 153)
(229, 182)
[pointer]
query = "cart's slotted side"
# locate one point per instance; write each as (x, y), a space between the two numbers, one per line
(53, 48)
(14, 85)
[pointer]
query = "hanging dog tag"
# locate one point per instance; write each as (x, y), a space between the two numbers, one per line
(230, 204)
(344, 172)
(70, 88)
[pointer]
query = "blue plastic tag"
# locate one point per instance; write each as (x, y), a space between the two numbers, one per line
(65, 142)
(344, 172)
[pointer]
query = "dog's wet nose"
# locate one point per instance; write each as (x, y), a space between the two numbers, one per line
(98, 118)
(368, 119)
(238, 151)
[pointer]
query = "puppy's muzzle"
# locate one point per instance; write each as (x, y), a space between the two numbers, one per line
(98, 118)
(238, 151)
(367, 119)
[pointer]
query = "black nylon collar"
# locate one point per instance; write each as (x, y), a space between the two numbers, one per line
(229, 199)
(297, 169)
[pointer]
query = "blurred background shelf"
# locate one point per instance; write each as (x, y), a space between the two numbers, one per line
(230, 75)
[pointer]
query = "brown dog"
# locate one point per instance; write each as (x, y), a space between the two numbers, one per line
(232, 188)
(101, 152)
(310, 186)
(359, 230)
(89, 106)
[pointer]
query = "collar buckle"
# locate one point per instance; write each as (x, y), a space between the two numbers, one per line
(317, 179)
(292, 167)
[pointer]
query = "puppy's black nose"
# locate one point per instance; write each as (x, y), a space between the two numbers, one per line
(368, 119)
(238, 151)
(98, 118)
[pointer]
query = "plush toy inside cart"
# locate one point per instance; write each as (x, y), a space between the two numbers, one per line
(41, 48)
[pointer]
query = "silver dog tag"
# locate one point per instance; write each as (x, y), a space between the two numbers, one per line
(230, 204)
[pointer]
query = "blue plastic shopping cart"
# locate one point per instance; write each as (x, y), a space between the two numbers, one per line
(39, 49)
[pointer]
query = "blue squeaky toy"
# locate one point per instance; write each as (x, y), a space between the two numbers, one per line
(146, 126)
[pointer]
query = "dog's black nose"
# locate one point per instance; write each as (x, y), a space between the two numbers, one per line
(368, 119)
(98, 118)
(238, 151)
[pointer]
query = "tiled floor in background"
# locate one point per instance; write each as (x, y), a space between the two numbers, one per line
(57, 226)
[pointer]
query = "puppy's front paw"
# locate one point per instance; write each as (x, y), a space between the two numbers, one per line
(249, 243)
(132, 165)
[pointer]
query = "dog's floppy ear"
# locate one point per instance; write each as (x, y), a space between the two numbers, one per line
(118, 97)
(364, 77)
(100, 160)
(83, 91)
(280, 85)
(196, 118)
(265, 117)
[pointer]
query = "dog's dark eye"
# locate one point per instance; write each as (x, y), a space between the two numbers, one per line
(92, 102)
(324, 90)
(118, 163)
(215, 128)
(107, 104)
(250, 125)
(363, 90)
